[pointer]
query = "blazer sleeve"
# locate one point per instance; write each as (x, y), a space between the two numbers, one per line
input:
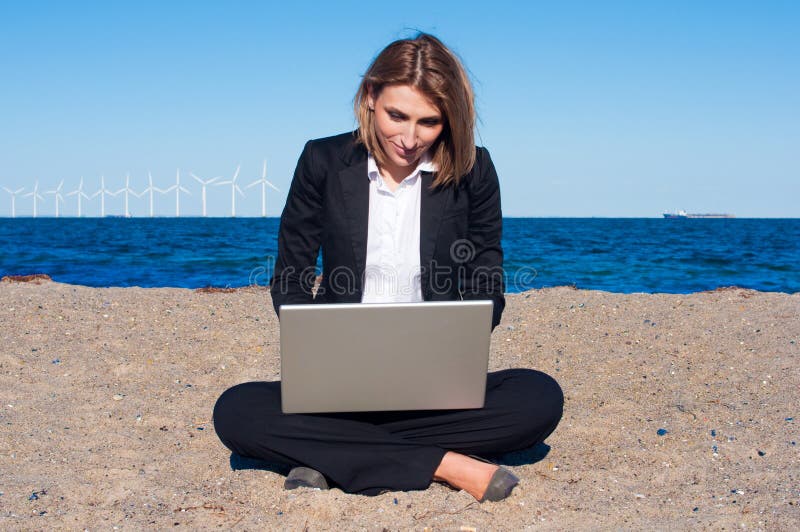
(299, 235)
(483, 275)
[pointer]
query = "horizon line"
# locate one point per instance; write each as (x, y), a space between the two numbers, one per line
(122, 216)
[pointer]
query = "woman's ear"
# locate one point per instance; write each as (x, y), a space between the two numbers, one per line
(370, 98)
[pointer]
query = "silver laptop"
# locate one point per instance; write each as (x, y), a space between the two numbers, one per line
(359, 357)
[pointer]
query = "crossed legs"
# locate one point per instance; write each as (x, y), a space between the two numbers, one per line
(372, 452)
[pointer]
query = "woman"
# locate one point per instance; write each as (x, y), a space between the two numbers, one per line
(404, 209)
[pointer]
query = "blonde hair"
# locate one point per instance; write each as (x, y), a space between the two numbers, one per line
(426, 64)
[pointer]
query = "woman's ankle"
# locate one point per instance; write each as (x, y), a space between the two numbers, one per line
(462, 472)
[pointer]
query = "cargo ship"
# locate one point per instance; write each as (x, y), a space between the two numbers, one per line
(684, 214)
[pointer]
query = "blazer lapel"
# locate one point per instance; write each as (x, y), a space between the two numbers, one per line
(433, 203)
(355, 193)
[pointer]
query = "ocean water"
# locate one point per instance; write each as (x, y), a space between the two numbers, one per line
(614, 254)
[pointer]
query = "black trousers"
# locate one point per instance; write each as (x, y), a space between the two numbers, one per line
(372, 452)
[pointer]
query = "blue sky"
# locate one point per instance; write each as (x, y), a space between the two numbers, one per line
(588, 108)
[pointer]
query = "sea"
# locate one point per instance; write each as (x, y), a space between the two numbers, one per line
(623, 255)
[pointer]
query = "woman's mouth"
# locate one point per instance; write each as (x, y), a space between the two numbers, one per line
(404, 153)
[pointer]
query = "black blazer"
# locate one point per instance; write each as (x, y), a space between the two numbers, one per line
(328, 205)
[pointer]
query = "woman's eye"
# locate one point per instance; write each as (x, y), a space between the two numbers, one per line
(396, 117)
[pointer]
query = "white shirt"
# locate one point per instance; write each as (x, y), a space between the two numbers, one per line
(392, 273)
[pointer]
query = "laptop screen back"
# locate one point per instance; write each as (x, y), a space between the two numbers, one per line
(378, 357)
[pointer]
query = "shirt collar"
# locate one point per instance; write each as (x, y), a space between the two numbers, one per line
(425, 164)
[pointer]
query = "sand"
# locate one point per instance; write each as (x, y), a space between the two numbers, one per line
(681, 411)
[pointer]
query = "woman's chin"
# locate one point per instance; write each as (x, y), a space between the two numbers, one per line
(401, 163)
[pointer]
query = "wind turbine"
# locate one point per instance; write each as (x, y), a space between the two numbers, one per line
(57, 194)
(79, 191)
(178, 189)
(264, 183)
(203, 184)
(103, 192)
(13, 200)
(128, 190)
(36, 195)
(234, 189)
(149, 190)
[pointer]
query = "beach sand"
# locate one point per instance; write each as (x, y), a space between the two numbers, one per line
(107, 395)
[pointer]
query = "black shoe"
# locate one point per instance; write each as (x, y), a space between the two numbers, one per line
(305, 477)
(500, 486)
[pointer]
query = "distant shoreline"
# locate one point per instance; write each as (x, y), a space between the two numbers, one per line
(554, 217)
(40, 278)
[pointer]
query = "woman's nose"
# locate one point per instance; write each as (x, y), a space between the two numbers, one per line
(408, 137)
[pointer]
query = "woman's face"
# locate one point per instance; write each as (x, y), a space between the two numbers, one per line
(407, 124)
